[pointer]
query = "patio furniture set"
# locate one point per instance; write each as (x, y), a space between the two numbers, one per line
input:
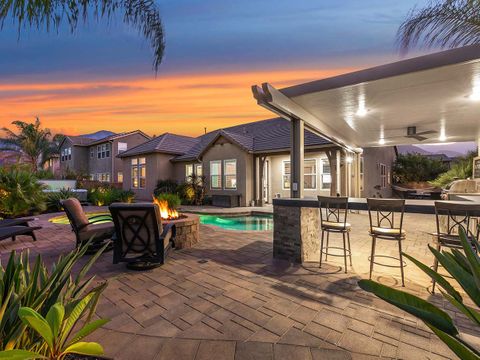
(136, 235)
(11, 228)
(386, 223)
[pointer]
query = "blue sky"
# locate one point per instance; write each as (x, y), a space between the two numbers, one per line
(215, 35)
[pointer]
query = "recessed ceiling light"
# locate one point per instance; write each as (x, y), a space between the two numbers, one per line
(381, 141)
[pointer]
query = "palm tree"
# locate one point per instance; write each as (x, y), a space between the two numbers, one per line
(31, 141)
(444, 24)
(143, 15)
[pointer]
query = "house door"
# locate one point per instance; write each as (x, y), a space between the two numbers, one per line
(266, 181)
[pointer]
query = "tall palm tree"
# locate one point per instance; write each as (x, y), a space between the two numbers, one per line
(31, 141)
(143, 15)
(442, 23)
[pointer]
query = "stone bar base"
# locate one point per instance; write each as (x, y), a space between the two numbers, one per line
(296, 233)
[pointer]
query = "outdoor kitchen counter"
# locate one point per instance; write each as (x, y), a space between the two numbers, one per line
(297, 225)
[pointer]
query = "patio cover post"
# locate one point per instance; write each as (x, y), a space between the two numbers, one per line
(296, 158)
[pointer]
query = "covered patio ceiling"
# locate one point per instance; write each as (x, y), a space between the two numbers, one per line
(438, 94)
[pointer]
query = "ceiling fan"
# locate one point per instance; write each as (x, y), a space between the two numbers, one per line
(413, 134)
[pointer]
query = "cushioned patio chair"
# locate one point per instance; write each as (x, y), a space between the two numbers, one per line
(141, 240)
(85, 228)
(14, 231)
(22, 222)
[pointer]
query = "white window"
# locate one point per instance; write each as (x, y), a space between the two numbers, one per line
(383, 176)
(326, 175)
(120, 177)
(122, 146)
(286, 175)
(139, 173)
(230, 169)
(69, 153)
(199, 169)
(92, 176)
(310, 174)
(103, 151)
(92, 153)
(188, 172)
(216, 174)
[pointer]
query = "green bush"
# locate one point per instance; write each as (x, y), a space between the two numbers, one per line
(464, 267)
(462, 168)
(31, 284)
(173, 200)
(415, 167)
(166, 186)
(54, 199)
(104, 196)
(20, 192)
(44, 174)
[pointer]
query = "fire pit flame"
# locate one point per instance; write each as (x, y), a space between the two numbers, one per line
(165, 212)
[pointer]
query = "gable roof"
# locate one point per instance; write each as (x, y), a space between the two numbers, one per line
(255, 137)
(165, 143)
(85, 140)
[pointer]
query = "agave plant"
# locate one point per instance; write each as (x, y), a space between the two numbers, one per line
(54, 199)
(35, 287)
(465, 269)
(55, 331)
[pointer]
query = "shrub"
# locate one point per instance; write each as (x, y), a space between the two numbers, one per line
(414, 167)
(44, 174)
(54, 199)
(20, 192)
(104, 196)
(462, 168)
(28, 284)
(173, 200)
(465, 269)
(166, 186)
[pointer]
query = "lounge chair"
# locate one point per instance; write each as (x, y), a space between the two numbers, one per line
(86, 229)
(14, 231)
(22, 222)
(141, 240)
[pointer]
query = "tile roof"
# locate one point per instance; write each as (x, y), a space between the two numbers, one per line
(259, 136)
(82, 140)
(166, 143)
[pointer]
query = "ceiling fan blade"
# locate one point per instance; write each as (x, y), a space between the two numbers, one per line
(427, 132)
(416, 137)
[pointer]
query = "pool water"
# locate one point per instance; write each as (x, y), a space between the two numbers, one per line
(239, 223)
(63, 219)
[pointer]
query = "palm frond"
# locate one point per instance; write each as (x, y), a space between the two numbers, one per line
(144, 15)
(444, 24)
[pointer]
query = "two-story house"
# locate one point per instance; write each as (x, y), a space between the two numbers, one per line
(96, 158)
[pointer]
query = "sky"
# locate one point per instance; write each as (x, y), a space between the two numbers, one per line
(100, 76)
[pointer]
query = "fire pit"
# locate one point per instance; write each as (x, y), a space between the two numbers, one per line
(187, 225)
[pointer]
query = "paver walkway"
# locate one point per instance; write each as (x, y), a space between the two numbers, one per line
(227, 298)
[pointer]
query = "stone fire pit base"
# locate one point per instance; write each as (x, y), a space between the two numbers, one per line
(188, 231)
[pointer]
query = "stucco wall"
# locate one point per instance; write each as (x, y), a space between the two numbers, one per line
(158, 167)
(276, 175)
(79, 161)
(372, 158)
(224, 150)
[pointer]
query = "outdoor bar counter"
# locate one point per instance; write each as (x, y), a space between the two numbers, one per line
(297, 223)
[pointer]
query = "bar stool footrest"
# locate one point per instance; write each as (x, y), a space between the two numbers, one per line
(325, 249)
(404, 264)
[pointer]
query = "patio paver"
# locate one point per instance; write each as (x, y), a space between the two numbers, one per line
(228, 298)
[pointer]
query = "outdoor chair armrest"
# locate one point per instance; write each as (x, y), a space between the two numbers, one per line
(169, 227)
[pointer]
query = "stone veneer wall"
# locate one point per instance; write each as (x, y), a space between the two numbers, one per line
(188, 231)
(296, 233)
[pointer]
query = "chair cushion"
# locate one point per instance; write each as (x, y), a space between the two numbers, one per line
(75, 209)
(386, 231)
(100, 231)
(335, 225)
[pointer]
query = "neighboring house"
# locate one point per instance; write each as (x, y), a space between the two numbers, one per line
(245, 164)
(53, 165)
(96, 158)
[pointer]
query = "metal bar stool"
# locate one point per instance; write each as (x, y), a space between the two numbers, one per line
(450, 217)
(386, 223)
(333, 219)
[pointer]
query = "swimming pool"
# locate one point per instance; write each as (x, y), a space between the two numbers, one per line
(239, 223)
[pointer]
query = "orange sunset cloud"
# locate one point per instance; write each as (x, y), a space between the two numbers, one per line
(183, 104)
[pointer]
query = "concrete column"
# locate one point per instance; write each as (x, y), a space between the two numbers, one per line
(339, 176)
(296, 158)
(261, 169)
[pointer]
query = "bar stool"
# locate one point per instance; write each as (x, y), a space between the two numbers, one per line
(455, 215)
(386, 223)
(333, 219)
